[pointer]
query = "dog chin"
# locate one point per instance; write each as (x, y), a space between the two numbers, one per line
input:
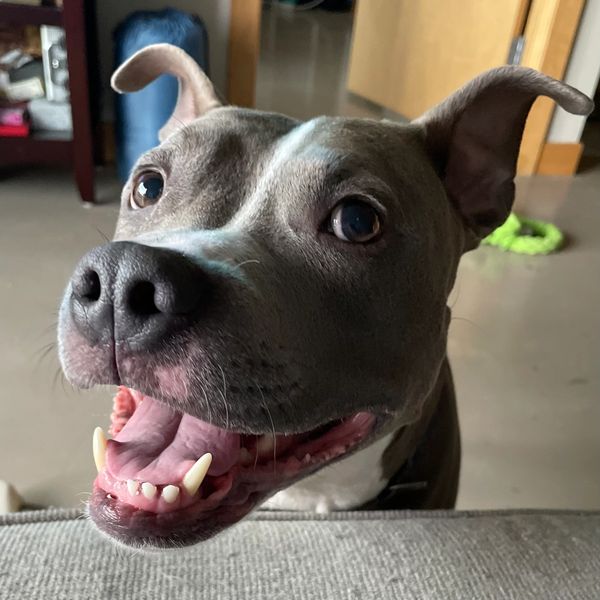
(169, 479)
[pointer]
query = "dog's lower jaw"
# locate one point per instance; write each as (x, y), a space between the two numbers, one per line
(143, 494)
(345, 485)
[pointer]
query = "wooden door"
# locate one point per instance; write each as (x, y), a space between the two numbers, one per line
(408, 55)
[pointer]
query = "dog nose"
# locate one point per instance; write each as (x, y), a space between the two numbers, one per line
(129, 292)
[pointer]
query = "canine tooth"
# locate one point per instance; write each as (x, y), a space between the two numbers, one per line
(149, 490)
(170, 493)
(195, 476)
(99, 448)
(265, 444)
(133, 487)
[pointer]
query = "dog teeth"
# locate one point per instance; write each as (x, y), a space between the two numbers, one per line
(195, 476)
(133, 487)
(265, 444)
(170, 493)
(99, 448)
(191, 482)
(148, 490)
(245, 457)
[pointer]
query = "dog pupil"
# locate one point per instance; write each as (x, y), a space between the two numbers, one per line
(358, 220)
(151, 188)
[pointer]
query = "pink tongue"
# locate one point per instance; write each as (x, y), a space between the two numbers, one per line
(159, 445)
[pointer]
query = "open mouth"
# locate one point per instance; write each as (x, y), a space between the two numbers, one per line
(167, 478)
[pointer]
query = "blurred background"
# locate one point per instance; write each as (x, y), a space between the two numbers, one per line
(524, 341)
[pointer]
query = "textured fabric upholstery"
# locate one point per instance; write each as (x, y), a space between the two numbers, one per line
(56, 554)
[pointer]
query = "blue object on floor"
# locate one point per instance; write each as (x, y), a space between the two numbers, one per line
(139, 116)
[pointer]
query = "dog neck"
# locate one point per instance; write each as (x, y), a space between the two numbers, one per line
(345, 485)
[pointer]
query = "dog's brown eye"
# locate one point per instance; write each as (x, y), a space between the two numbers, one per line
(354, 220)
(147, 189)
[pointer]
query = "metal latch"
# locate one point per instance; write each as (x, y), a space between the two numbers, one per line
(516, 50)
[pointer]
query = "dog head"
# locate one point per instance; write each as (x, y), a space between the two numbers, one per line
(275, 294)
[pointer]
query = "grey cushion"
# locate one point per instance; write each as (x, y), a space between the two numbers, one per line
(57, 554)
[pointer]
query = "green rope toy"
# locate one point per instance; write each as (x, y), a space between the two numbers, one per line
(525, 236)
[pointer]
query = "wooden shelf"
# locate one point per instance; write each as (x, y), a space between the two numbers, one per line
(46, 147)
(52, 136)
(76, 17)
(23, 14)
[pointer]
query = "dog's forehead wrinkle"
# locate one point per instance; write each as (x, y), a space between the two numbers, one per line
(249, 115)
(312, 158)
(249, 132)
(256, 129)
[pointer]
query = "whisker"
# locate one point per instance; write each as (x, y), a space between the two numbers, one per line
(178, 120)
(56, 377)
(238, 266)
(467, 321)
(224, 395)
(102, 234)
(207, 402)
(268, 411)
(51, 327)
(67, 388)
(456, 291)
(246, 262)
(43, 351)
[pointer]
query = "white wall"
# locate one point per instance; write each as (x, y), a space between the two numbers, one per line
(583, 73)
(214, 13)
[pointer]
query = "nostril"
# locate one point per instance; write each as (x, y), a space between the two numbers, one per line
(141, 298)
(90, 287)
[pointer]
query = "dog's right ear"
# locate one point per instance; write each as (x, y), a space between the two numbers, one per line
(196, 92)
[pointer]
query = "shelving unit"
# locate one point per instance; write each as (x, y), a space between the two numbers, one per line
(55, 148)
(23, 14)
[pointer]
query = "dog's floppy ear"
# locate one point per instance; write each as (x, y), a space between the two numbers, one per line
(474, 136)
(196, 93)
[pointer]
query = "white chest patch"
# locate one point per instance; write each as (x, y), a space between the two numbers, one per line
(344, 485)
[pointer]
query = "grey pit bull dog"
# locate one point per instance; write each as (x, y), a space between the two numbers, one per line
(274, 302)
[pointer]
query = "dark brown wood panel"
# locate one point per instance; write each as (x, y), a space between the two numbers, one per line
(21, 14)
(34, 150)
(83, 145)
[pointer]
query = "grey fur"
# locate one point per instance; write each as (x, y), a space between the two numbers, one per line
(309, 328)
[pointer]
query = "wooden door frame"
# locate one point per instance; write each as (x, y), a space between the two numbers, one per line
(550, 32)
(243, 51)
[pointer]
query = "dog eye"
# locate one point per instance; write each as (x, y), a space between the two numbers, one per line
(147, 189)
(354, 220)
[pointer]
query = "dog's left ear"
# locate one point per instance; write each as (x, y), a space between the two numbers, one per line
(196, 92)
(474, 136)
